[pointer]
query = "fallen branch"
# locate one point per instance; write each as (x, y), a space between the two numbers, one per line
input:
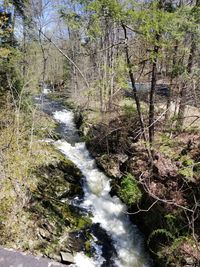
(142, 210)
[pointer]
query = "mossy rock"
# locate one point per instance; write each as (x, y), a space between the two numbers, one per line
(61, 179)
(49, 207)
(56, 181)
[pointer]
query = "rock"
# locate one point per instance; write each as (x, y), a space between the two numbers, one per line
(122, 158)
(77, 240)
(105, 241)
(78, 118)
(189, 261)
(164, 167)
(55, 257)
(67, 257)
(86, 129)
(115, 172)
(110, 164)
(44, 234)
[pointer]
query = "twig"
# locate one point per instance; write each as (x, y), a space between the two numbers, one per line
(166, 201)
(142, 210)
(161, 115)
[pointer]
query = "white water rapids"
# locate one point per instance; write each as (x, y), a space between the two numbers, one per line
(108, 211)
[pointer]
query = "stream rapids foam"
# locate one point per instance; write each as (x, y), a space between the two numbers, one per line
(108, 211)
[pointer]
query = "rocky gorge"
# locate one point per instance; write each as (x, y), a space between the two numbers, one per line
(158, 196)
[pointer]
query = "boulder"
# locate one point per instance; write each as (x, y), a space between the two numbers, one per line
(67, 258)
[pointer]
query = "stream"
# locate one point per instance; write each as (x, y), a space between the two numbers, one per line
(107, 212)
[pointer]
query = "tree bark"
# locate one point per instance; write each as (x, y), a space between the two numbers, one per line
(183, 93)
(152, 93)
(169, 98)
(24, 49)
(137, 101)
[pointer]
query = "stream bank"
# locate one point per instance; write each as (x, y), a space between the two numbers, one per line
(121, 243)
(39, 190)
(59, 204)
(161, 204)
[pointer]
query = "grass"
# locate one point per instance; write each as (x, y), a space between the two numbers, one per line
(22, 154)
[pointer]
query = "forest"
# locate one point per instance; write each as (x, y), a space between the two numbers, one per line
(100, 131)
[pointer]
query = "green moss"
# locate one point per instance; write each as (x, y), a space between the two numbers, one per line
(87, 139)
(83, 222)
(129, 190)
(88, 248)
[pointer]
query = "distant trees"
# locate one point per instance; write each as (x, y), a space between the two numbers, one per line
(116, 41)
(97, 49)
(194, 16)
(107, 44)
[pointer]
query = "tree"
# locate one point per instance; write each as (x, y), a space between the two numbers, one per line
(194, 18)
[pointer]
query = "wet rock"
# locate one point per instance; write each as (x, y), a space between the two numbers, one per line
(78, 118)
(108, 249)
(110, 164)
(67, 257)
(76, 241)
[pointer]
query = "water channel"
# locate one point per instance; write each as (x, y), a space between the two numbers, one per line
(107, 212)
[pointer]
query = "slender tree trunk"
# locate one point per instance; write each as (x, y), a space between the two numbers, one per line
(111, 65)
(137, 101)
(183, 93)
(75, 78)
(12, 36)
(169, 98)
(24, 50)
(100, 77)
(44, 60)
(152, 93)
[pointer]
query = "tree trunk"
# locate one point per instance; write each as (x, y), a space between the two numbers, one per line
(24, 50)
(152, 93)
(44, 60)
(12, 36)
(183, 93)
(169, 98)
(137, 101)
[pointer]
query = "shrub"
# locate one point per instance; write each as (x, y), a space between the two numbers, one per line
(129, 110)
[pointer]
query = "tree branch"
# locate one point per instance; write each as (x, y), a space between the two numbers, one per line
(67, 57)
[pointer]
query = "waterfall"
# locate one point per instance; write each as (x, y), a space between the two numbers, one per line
(107, 211)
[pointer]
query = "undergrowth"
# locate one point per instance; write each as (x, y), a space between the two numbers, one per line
(21, 152)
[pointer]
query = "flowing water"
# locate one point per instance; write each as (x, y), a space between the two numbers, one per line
(107, 211)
